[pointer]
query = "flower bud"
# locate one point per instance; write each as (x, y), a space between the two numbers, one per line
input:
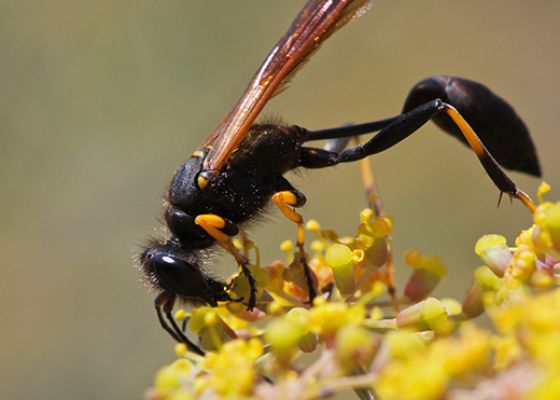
(429, 314)
(486, 278)
(402, 344)
(543, 189)
(523, 263)
(283, 336)
(180, 315)
(428, 271)
(168, 379)
(308, 342)
(326, 318)
(313, 226)
(541, 279)
(452, 306)
(366, 215)
(493, 251)
(547, 218)
(355, 347)
(339, 258)
(552, 220)
(181, 349)
(317, 246)
(377, 253)
(420, 284)
(473, 304)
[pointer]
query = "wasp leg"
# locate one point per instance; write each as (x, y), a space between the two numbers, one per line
(405, 125)
(410, 122)
(449, 102)
(350, 130)
(287, 200)
(319, 158)
(164, 302)
(216, 227)
(496, 123)
(244, 242)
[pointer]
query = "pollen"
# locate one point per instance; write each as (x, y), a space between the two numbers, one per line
(180, 349)
(313, 226)
(287, 246)
(180, 315)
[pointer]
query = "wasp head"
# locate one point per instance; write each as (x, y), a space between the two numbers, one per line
(168, 268)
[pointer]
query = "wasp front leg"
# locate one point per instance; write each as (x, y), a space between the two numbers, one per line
(287, 200)
(164, 303)
(222, 229)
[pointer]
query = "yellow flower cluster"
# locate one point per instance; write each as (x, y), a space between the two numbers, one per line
(534, 262)
(409, 347)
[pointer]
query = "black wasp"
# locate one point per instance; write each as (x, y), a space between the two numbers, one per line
(240, 167)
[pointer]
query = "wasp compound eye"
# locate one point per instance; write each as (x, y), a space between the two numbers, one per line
(177, 276)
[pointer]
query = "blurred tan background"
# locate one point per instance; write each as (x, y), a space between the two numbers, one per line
(100, 101)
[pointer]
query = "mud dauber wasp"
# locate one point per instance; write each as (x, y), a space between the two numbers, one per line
(240, 167)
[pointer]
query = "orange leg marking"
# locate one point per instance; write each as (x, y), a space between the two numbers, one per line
(212, 224)
(481, 152)
(285, 201)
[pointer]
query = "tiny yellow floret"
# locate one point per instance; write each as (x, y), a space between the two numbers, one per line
(181, 349)
(287, 246)
(180, 315)
(313, 226)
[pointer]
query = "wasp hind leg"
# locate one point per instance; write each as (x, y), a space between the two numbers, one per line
(287, 200)
(411, 121)
(450, 102)
(400, 128)
(222, 230)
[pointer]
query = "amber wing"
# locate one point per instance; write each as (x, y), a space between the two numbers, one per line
(317, 20)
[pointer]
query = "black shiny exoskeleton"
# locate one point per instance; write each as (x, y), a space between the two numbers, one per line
(254, 173)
